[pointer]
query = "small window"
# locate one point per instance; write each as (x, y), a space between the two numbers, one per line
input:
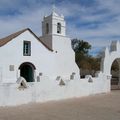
(47, 28)
(58, 28)
(27, 48)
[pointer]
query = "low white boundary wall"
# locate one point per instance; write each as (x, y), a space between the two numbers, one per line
(47, 90)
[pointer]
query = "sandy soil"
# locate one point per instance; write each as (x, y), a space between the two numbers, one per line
(98, 107)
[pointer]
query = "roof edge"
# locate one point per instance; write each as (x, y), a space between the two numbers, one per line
(7, 39)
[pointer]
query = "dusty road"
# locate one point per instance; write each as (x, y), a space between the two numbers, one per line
(98, 107)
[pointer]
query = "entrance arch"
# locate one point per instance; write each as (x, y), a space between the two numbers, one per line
(110, 55)
(115, 74)
(27, 71)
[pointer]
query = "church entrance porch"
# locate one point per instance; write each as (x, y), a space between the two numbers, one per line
(27, 71)
(115, 72)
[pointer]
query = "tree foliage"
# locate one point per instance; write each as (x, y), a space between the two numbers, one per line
(80, 46)
(85, 61)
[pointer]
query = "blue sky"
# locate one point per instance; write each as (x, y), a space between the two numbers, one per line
(95, 21)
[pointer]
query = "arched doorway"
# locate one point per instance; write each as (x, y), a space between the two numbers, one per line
(115, 72)
(27, 71)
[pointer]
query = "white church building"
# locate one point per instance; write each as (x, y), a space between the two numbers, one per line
(24, 54)
(34, 69)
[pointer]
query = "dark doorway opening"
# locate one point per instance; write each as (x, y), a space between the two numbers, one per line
(27, 71)
(115, 71)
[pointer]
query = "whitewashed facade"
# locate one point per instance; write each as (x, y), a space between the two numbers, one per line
(36, 69)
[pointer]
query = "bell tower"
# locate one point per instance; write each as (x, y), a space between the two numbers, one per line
(53, 24)
(53, 30)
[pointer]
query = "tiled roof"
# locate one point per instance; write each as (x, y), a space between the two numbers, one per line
(7, 39)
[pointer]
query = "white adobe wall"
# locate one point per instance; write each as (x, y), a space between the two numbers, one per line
(12, 54)
(37, 92)
(65, 57)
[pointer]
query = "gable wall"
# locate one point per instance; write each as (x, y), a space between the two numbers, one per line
(12, 54)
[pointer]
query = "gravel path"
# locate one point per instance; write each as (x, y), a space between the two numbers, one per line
(98, 107)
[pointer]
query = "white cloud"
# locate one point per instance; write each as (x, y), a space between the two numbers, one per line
(29, 18)
(102, 19)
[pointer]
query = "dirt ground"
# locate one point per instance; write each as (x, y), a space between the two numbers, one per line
(98, 107)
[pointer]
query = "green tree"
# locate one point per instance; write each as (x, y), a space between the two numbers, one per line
(85, 61)
(80, 46)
